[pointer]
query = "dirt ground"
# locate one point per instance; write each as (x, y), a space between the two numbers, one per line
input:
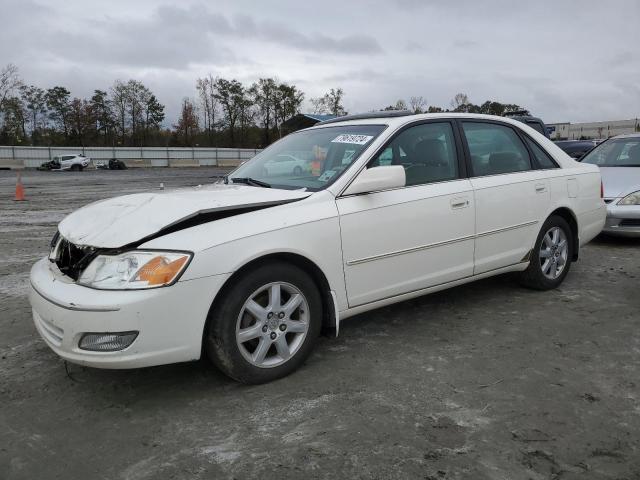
(484, 381)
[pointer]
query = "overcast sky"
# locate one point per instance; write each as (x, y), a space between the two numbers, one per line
(564, 60)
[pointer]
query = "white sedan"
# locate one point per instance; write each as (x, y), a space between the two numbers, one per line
(248, 272)
(286, 165)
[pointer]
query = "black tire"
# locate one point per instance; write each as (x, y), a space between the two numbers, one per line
(297, 171)
(76, 168)
(220, 333)
(533, 277)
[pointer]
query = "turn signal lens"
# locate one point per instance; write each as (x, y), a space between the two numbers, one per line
(160, 271)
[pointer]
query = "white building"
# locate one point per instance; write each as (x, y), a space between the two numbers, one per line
(577, 131)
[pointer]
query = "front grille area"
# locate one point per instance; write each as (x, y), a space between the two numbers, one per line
(630, 222)
(73, 259)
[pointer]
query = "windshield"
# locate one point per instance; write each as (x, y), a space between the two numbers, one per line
(619, 152)
(311, 159)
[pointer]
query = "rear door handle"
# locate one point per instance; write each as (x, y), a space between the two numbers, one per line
(460, 202)
(541, 188)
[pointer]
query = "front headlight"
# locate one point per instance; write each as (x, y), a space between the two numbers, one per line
(136, 269)
(631, 199)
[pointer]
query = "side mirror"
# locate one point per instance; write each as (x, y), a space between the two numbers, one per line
(378, 178)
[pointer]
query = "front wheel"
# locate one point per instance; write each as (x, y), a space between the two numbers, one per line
(551, 257)
(265, 324)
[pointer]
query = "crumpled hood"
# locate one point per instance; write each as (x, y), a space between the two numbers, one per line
(619, 181)
(120, 221)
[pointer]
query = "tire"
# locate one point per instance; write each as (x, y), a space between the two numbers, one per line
(540, 275)
(230, 315)
(76, 168)
(297, 171)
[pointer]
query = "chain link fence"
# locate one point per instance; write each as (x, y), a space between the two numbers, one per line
(33, 157)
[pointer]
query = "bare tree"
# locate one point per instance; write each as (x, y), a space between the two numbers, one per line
(459, 102)
(9, 82)
(119, 101)
(331, 103)
(208, 103)
(318, 105)
(418, 104)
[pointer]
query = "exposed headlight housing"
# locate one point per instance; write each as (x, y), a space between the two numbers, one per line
(631, 199)
(137, 269)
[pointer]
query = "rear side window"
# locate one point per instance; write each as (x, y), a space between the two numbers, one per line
(495, 149)
(542, 157)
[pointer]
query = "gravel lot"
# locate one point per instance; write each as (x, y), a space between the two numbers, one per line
(484, 381)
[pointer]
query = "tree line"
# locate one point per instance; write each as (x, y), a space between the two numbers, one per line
(223, 113)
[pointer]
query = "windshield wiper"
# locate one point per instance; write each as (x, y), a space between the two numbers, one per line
(250, 181)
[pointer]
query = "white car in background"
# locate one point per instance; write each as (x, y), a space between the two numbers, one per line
(619, 162)
(75, 163)
(248, 272)
(286, 165)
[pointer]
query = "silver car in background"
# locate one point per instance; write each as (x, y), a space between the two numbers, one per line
(619, 162)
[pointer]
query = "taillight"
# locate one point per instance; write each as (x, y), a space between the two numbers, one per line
(601, 189)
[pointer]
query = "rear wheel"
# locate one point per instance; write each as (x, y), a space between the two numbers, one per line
(265, 325)
(551, 257)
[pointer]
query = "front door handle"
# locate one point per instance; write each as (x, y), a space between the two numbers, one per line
(541, 188)
(460, 202)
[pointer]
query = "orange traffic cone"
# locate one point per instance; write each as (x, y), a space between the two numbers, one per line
(19, 190)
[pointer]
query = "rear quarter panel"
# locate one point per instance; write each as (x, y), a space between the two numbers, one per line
(578, 189)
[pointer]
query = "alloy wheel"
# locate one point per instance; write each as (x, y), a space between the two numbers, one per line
(554, 253)
(272, 324)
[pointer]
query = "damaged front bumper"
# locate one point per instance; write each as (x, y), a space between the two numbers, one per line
(169, 321)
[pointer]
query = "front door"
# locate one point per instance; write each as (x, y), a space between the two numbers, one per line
(406, 239)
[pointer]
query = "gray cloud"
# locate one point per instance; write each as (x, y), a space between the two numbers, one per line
(561, 62)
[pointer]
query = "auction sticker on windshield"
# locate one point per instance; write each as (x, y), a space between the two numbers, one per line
(354, 139)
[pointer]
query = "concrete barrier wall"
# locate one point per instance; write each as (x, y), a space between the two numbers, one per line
(33, 157)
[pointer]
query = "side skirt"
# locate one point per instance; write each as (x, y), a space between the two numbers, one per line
(350, 312)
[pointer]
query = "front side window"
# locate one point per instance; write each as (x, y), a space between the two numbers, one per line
(619, 152)
(427, 152)
(495, 149)
(311, 159)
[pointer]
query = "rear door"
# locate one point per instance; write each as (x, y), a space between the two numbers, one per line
(511, 194)
(405, 239)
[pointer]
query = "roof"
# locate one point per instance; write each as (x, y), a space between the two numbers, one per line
(320, 117)
(383, 118)
(362, 116)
